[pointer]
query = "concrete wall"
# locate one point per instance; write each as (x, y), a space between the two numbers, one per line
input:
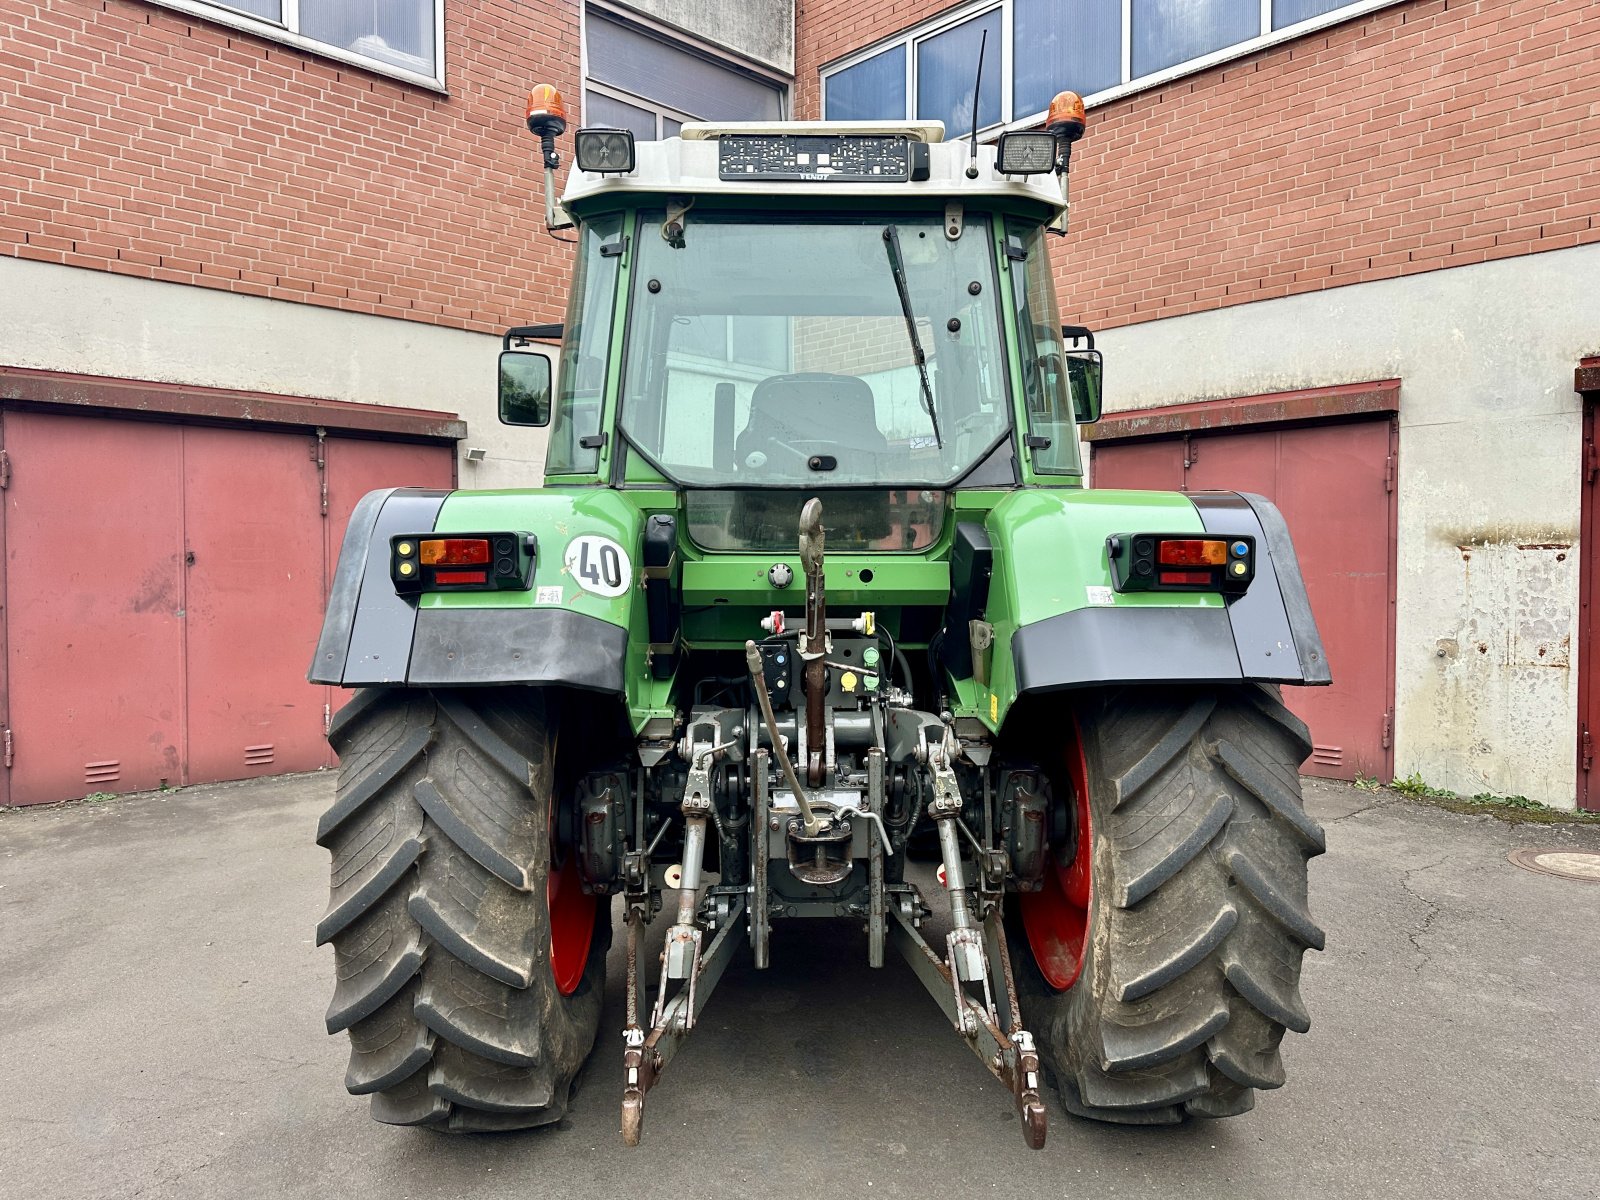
(96, 323)
(1489, 485)
(759, 29)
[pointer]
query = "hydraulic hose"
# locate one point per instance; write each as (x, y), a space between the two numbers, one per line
(752, 658)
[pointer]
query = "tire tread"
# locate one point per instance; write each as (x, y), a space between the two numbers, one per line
(1193, 969)
(438, 834)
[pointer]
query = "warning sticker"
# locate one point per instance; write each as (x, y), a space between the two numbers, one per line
(1100, 597)
(549, 595)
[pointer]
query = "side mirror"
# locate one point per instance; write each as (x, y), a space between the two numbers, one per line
(1083, 376)
(524, 388)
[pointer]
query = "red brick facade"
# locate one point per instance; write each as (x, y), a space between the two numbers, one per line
(1426, 135)
(144, 141)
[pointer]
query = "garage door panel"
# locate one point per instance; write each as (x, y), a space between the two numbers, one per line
(94, 606)
(357, 466)
(254, 528)
(1155, 466)
(164, 587)
(1333, 491)
(1330, 481)
(1238, 462)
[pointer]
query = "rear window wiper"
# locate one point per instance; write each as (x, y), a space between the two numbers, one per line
(897, 266)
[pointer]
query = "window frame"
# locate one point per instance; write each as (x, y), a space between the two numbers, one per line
(680, 40)
(910, 36)
(661, 112)
(286, 32)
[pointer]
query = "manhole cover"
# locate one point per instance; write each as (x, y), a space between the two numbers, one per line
(1564, 864)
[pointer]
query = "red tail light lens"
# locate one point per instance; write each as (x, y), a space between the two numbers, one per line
(453, 552)
(460, 577)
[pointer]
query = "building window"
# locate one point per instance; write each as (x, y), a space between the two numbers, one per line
(947, 69)
(401, 38)
(871, 88)
(1101, 49)
(642, 79)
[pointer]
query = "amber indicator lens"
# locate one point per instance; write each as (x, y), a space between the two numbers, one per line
(1196, 552)
(454, 552)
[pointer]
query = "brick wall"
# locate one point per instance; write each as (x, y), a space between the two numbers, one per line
(1426, 135)
(857, 345)
(147, 142)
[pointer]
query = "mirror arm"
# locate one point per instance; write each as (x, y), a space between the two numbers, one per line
(531, 333)
(1078, 333)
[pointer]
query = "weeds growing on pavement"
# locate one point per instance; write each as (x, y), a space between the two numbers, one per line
(1513, 810)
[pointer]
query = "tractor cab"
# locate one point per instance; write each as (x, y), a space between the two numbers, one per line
(811, 309)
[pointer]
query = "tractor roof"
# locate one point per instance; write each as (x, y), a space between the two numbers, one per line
(696, 164)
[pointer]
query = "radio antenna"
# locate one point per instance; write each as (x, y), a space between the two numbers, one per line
(977, 91)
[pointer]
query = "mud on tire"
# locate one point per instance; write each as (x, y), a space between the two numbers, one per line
(439, 916)
(1198, 917)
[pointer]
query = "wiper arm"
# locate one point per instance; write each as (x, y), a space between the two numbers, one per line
(897, 267)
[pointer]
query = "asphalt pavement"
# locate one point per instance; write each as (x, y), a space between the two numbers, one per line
(162, 1036)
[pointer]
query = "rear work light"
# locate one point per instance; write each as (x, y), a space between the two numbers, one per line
(462, 562)
(1181, 562)
(1026, 153)
(604, 151)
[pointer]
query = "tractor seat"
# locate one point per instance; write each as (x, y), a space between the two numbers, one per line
(812, 410)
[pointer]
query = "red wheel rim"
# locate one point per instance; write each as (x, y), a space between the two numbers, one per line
(1056, 918)
(571, 925)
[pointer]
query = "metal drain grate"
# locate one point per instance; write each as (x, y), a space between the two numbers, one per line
(1563, 864)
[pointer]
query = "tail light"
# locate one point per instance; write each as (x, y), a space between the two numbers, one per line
(462, 562)
(1181, 562)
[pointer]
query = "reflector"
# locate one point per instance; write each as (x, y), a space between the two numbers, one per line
(604, 151)
(446, 578)
(1026, 153)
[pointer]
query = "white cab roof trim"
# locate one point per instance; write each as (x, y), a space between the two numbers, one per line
(688, 166)
(917, 131)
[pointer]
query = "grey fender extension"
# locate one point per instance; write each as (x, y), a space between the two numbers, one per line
(372, 636)
(1266, 635)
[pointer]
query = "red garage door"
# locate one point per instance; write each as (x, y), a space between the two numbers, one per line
(163, 587)
(1333, 482)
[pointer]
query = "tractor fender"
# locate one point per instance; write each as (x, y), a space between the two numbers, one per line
(1060, 624)
(561, 630)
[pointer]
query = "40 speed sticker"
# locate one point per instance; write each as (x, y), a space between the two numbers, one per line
(599, 565)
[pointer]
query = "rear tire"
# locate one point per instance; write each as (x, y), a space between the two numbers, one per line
(1197, 916)
(468, 1007)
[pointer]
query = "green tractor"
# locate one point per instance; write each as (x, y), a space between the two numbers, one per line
(813, 595)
